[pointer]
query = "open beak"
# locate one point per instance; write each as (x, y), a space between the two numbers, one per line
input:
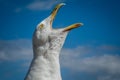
(53, 14)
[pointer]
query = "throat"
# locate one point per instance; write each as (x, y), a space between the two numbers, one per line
(45, 67)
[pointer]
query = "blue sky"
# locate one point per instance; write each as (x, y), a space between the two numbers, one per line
(91, 52)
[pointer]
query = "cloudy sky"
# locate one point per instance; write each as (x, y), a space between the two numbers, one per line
(91, 52)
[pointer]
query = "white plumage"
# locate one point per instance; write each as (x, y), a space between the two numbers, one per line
(47, 43)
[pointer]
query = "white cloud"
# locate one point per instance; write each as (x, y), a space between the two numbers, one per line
(106, 63)
(86, 59)
(15, 50)
(108, 47)
(109, 77)
(36, 5)
(80, 59)
(41, 5)
(71, 58)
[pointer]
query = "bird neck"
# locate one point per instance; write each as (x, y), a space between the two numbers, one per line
(45, 64)
(45, 67)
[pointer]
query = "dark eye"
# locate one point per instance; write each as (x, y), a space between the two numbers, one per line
(41, 26)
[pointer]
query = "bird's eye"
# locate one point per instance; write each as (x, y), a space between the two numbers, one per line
(41, 26)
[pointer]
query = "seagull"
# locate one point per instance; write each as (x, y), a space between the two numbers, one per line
(47, 44)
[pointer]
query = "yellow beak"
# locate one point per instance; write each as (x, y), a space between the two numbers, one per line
(72, 26)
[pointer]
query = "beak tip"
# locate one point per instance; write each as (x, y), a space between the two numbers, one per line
(62, 4)
(81, 24)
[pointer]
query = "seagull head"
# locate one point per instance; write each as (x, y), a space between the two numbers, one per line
(45, 33)
(47, 23)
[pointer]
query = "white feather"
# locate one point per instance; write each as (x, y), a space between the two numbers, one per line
(45, 64)
(47, 43)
